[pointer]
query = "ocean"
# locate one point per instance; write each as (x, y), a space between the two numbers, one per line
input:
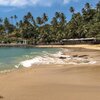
(13, 57)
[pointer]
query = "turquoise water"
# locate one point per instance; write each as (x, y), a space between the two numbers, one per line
(11, 56)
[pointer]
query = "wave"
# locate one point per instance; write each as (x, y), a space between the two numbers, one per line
(57, 58)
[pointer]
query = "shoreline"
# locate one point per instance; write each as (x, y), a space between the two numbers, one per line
(81, 48)
(54, 82)
(85, 46)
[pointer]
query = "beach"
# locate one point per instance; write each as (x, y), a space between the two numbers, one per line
(86, 46)
(55, 81)
(50, 50)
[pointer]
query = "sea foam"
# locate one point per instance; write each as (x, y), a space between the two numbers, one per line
(57, 58)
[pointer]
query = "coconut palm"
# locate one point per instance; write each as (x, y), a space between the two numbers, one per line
(15, 17)
(72, 10)
(54, 21)
(1, 20)
(57, 14)
(12, 19)
(62, 18)
(87, 6)
(39, 20)
(98, 6)
(45, 18)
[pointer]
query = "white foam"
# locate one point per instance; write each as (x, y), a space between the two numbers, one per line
(54, 59)
(92, 62)
(17, 66)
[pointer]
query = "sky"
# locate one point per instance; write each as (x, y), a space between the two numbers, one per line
(9, 8)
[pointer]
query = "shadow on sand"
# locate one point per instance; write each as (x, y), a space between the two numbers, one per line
(1, 97)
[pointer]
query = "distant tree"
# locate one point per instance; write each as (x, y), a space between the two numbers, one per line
(98, 6)
(87, 6)
(72, 10)
(45, 18)
(82, 24)
(15, 17)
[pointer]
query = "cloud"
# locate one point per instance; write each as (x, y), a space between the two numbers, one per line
(67, 1)
(13, 2)
(8, 10)
(21, 3)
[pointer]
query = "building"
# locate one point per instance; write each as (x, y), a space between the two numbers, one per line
(80, 41)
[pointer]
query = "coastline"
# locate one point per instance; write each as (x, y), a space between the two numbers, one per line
(54, 82)
(51, 83)
(85, 46)
(50, 50)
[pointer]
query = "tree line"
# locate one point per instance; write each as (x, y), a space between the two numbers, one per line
(84, 24)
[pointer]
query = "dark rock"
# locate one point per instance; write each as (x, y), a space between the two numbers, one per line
(83, 55)
(62, 57)
(75, 55)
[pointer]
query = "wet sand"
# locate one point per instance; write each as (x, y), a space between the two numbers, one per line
(85, 46)
(54, 82)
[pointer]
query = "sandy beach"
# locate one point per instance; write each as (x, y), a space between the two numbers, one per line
(55, 82)
(85, 46)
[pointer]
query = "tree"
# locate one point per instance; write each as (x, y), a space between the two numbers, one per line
(57, 14)
(62, 18)
(39, 20)
(45, 18)
(6, 25)
(87, 6)
(1, 20)
(9, 28)
(98, 6)
(72, 10)
(82, 24)
(12, 19)
(15, 17)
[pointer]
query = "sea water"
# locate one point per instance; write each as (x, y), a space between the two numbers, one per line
(11, 57)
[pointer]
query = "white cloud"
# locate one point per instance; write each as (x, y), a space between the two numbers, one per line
(13, 2)
(18, 3)
(8, 10)
(67, 1)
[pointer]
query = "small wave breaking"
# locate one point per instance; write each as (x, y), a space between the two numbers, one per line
(57, 58)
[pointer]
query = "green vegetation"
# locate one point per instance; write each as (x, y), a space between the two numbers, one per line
(84, 24)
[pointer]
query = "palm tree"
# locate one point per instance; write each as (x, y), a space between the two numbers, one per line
(1, 27)
(25, 18)
(34, 22)
(72, 10)
(6, 25)
(12, 19)
(39, 20)
(29, 16)
(17, 24)
(54, 21)
(45, 18)
(57, 14)
(98, 6)
(1, 20)
(15, 17)
(87, 6)
(62, 18)
(83, 11)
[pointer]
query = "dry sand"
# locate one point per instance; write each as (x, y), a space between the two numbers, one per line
(86, 46)
(53, 82)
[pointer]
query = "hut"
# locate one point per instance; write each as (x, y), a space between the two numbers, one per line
(80, 41)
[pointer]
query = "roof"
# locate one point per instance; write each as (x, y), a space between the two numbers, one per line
(79, 39)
